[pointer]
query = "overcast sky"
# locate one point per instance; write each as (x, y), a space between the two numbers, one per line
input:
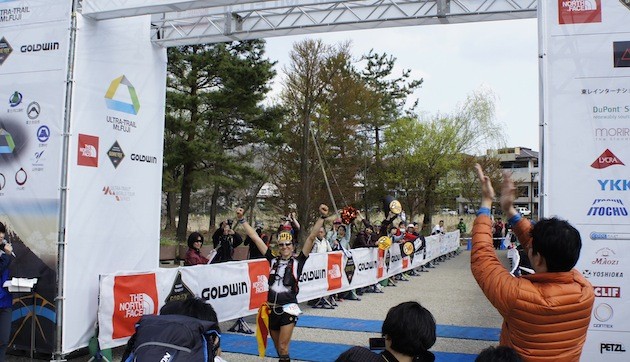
(454, 60)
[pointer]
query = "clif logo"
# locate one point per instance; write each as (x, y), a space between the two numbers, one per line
(606, 159)
(579, 11)
(607, 292)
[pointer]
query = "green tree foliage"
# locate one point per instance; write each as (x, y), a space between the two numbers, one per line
(427, 151)
(212, 112)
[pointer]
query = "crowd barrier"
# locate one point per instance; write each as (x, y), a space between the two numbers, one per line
(237, 289)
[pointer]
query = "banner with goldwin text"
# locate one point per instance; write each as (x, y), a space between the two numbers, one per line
(237, 289)
(585, 68)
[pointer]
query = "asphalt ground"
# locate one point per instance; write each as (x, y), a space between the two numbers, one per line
(449, 291)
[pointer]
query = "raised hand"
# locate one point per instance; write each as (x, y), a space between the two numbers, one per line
(508, 195)
(323, 210)
(487, 191)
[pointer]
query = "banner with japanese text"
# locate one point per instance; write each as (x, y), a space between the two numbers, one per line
(585, 67)
(237, 289)
(34, 46)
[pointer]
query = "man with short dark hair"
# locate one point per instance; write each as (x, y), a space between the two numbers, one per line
(409, 332)
(546, 314)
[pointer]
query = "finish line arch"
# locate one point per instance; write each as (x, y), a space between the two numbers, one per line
(85, 81)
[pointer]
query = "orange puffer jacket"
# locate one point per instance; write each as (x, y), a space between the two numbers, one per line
(546, 315)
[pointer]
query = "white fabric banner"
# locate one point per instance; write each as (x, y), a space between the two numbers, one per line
(237, 289)
(34, 43)
(585, 71)
(115, 164)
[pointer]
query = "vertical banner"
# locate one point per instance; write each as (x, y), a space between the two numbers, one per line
(586, 136)
(34, 43)
(115, 166)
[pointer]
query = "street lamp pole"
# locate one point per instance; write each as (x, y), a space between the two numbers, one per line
(531, 193)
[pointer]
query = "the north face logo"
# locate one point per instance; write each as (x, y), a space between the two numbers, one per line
(606, 159)
(166, 358)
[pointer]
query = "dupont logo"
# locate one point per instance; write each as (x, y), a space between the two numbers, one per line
(607, 292)
(579, 11)
(606, 159)
(87, 154)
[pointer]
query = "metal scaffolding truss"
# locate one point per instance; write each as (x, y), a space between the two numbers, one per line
(179, 22)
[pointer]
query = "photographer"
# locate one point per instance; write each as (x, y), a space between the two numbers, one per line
(225, 240)
(6, 300)
(408, 332)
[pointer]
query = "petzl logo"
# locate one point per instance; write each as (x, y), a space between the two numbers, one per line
(5, 50)
(15, 99)
(116, 154)
(120, 106)
(607, 207)
(621, 54)
(579, 11)
(134, 296)
(611, 347)
(87, 154)
(606, 159)
(607, 292)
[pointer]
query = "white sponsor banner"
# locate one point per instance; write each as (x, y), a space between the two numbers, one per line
(115, 164)
(14, 13)
(34, 39)
(237, 289)
(585, 67)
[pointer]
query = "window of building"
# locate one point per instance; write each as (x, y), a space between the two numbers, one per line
(522, 191)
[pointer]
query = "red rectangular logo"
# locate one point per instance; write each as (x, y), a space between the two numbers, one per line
(334, 271)
(405, 262)
(579, 11)
(380, 263)
(134, 296)
(87, 151)
(258, 282)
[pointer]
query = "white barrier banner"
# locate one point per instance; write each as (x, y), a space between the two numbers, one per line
(237, 289)
(585, 70)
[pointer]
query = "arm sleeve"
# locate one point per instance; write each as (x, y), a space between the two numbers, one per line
(5, 261)
(493, 278)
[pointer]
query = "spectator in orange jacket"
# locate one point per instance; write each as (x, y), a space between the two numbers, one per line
(546, 314)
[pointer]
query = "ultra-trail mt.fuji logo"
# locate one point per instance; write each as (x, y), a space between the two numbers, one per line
(121, 97)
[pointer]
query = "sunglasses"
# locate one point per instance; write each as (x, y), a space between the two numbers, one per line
(284, 244)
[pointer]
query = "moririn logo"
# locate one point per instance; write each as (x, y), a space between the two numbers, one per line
(621, 54)
(5, 50)
(87, 154)
(119, 105)
(607, 292)
(579, 11)
(134, 296)
(606, 159)
(607, 207)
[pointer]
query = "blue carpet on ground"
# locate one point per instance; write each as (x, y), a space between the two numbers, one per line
(312, 351)
(374, 326)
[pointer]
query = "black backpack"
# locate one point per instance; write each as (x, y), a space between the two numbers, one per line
(172, 338)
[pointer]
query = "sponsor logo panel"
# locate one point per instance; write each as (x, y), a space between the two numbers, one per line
(610, 347)
(119, 193)
(603, 313)
(115, 154)
(87, 154)
(606, 159)
(334, 271)
(607, 292)
(607, 208)
(621, 54)
(594, 273)
(259, 281)
(15, 13)
(5, 50)
(579, 11)
(605, 256)
(134, 296)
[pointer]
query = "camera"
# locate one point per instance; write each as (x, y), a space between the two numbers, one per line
(377, 344)
(229, 222)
